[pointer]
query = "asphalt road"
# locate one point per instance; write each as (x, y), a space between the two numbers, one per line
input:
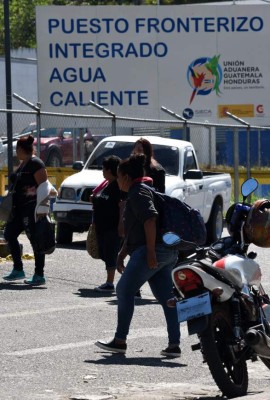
(47, 340)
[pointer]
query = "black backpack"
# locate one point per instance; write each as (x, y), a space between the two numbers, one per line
(178, 217)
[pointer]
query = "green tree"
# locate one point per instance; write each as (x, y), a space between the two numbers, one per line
(22, 22)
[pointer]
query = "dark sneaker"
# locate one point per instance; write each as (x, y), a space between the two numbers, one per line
(105, 287)
(14, 275)
(112, 346)
(36, 280)
(138, 295)
(171, 352)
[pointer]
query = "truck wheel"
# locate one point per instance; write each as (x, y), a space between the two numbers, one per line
(54, 159)
(214, 226)
(63, 233)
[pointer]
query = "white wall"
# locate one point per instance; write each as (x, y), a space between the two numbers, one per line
(23, 82)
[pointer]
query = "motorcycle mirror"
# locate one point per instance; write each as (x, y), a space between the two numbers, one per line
(171, 239)
(248, 187)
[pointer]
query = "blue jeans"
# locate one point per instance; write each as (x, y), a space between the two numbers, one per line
(135, 275)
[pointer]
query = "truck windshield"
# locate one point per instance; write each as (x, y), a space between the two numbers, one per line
(167, 156)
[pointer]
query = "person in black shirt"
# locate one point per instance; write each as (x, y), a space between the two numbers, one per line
(28, 177)
(106, 219)
(152, 168)
(149, 260)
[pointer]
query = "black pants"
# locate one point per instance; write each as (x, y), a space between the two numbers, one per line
(23, 220)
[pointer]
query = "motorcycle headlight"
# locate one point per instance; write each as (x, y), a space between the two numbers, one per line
(68, 193)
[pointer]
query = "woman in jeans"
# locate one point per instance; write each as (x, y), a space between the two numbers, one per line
(150, 261)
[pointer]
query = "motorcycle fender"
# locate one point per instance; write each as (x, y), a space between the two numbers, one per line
(209, 282)
(197, 325)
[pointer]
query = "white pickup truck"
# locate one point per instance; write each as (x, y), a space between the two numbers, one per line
(210, 192)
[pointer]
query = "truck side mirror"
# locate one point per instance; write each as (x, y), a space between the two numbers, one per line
(66, 134)
(78, 165)
(193, 174)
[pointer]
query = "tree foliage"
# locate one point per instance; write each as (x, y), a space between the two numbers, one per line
(22, 18)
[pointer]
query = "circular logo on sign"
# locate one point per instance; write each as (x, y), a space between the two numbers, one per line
(188, 113)
(204, 75)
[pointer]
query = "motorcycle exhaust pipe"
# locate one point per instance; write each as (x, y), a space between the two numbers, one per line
(259, 342)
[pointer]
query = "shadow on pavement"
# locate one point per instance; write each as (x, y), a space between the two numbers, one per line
(91, 293)
(138, 302)
(218, 397)
(19, 286)
(121, 359)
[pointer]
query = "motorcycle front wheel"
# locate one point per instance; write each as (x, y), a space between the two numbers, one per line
(229, 372)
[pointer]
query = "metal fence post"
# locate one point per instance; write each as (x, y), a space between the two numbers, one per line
(177, 116)
(38, 119)
(8, 86)
(210, 145)
(248, 152)
(38, 116)
(114, 125)
(236, 164)
(106, 111)
(248, 138)
(259, 148)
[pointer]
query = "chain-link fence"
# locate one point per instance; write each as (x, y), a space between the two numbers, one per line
(216, 145)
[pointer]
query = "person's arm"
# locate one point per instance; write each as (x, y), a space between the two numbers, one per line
(41, 176)
(120, 258)
(150, 235)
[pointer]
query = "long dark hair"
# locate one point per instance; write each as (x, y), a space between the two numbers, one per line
(133, 166)
(148, 151)
(26, 144)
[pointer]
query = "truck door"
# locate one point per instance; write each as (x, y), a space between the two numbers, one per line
(194, 191)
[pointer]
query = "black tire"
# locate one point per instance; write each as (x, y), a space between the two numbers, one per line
(266, 361)
(64, 233)
(230, 374)
(54, 159)
(214, 226)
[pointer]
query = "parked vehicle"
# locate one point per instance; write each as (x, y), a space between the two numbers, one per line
(209, 192)
(4, 152)
(220, 295)
(56, 144)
